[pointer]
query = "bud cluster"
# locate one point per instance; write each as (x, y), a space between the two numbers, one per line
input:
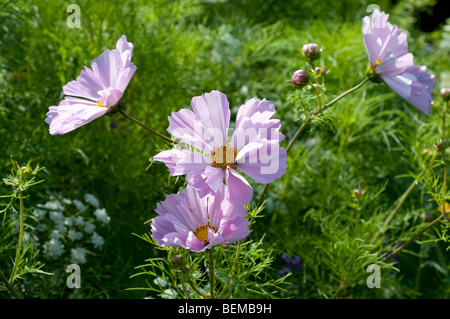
(310, 53)
(23, 177)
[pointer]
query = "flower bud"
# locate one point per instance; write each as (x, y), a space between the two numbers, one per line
(311, 52)
(445, 94)
(178, 260)
(357, 192)
(25, 171)
(320, 71)
(300, 77)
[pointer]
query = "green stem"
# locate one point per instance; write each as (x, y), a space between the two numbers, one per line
(358, 216)
(19, 245)
(211, 272)
(232, 270)
(185, 290)
(165, 138)
(413, 238)
(401, 201)
(303, 126)
(319, 101)
(338, 292)
(397, 208)
(346, 93)
(204, 296)
(10, 288)
(444, 147)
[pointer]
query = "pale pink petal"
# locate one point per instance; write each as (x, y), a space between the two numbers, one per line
(212, 109)
(180, 215)
(185, 126)
(196, 180)
(72, 114)
(214, 177)
(86, 85)
(181, 162)
(264, 162)
(240, 190)
(234, 230)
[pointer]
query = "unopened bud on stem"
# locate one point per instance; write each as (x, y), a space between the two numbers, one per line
(445, 94)
(320, 71)
(311, 52)
(300, 78)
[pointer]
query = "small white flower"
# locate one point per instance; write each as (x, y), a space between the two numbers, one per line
(53, 248)
(61, 228)
(92, 200)
(66, 201)
(54, 205)
(75, 235)
(78, 255)
(89, 228)
(101, 215)
(56, 217)
(54, 234)
(39, 213)
(68, 221)
(169, 294)
(97, 240)
(159, 281)
(79, 221)
(79, 205)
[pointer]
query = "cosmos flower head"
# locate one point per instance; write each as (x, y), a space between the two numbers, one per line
(212, 159)
(189, 221)
(96, 91)
(392, 63)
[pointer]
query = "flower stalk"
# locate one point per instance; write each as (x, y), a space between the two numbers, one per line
(19, 245)
(165, 138)
(307, 121)
(211, 272)
(10, 288)
(444, 191)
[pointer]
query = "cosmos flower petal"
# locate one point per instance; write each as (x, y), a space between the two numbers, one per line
(181, 162)
(104, 82)
(212, 109)
(197, 180)
(236, 229)
(185, 220)
(264, 163)
(387, 50)
(214, 177)
(70, 115)
(185, 126)
(205, 128)
(86, 85)
(240, 190)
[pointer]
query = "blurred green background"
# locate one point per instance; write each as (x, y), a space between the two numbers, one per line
(183, 49)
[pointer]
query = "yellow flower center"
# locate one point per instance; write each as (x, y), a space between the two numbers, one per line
(100, 104)
(202, 232)
(377, 63)
(224, 156)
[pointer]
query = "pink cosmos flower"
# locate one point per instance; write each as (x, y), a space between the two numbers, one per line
(189, 221)
(253, 148)
(387, 49)
(96, 91)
